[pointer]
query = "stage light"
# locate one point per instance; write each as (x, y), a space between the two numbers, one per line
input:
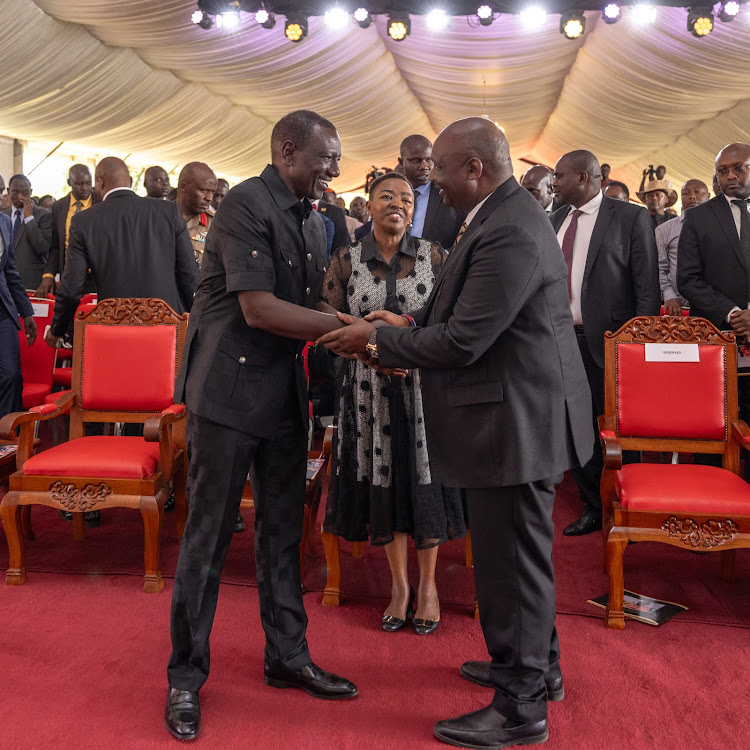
(399, 27)
(533, 16)
(295, 28)
(228, 20)
(572, 24)
(729, 10)
(485, 14)
(199, 18)
(336, 18)
(700, 22)
(362, 17)
(437, 20)
(643, 14)
(611, 13)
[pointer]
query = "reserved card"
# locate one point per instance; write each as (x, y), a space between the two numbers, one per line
(672, 353)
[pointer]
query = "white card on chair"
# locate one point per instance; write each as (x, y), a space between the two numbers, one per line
(672, 353)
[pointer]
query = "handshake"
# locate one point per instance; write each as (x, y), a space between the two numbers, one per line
(352, 338)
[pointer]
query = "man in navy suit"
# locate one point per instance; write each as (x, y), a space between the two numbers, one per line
(13, 301)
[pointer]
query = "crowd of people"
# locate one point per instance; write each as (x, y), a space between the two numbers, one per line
(468, 313)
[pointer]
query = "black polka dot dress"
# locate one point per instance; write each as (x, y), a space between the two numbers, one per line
(381, 480)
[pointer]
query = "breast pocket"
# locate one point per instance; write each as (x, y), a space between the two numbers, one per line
(235, 373)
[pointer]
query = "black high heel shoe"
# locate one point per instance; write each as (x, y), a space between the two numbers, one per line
(391, 624)
(424, 627)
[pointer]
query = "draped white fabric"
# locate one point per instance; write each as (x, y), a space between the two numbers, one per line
(136, 76)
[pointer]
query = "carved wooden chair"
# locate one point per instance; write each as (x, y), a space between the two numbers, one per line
(125, 360)
(653, 404)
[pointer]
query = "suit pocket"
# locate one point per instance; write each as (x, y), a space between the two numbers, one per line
(236, 367)
(466, 394)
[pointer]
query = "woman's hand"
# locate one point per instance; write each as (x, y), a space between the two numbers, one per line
(388, 318)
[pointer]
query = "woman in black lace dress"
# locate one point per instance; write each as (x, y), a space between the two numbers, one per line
(382, 487)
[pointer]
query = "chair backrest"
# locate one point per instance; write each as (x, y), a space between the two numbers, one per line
(670, 379)
(38, 360)
(126, 356)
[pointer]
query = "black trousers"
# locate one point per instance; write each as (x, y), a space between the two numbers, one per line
(11, 382)
(511, 536)
(589, 476)
(220, 459)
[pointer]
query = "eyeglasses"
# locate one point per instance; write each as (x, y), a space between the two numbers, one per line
(736, 168)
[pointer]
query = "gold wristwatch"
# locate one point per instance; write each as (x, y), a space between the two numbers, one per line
(372, 347)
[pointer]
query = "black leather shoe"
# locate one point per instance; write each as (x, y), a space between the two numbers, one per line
(478, 672)
(424, 627)
(169, 503)
(90, 518)
(182, 716)
(239, 523)
(312, 679)
(587, 523)
(488, 729)
(391, 623)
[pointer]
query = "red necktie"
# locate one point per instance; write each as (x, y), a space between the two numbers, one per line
(567, 245)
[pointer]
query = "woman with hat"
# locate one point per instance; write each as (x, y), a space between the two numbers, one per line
(658, 196)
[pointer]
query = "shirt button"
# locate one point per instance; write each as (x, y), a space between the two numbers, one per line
(254, 254)
(242, 360)
(308, 290)
(309, 256)
(290, 262)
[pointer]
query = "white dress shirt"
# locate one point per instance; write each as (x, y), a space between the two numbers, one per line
(585, 229)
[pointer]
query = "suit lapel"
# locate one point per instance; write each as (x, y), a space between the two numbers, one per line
(726, 219)
(558, 217)
(606, 210)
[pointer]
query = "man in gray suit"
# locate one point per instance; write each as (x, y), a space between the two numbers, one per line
(31, 231)
(507, 411)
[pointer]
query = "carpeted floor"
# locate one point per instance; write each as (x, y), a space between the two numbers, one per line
(83, 651)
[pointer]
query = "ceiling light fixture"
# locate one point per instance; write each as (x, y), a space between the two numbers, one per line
(437, 20)
(399, 27)
(700, 22)
(362, 17)
(533, 16)
(336, 18)
(643, 14)
(295, 28)
(228, 20)
(729, 10)
(199, 18)
(485, 14)
(572, 24)
(612, 13)
(265, 19)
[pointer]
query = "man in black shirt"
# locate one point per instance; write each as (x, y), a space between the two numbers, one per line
(243, 381)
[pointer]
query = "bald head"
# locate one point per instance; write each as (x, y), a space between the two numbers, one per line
(111, 173)
(538, 181)
(195, 189)
(733, 170)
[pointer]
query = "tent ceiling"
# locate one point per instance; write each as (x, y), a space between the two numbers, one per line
(136, 76)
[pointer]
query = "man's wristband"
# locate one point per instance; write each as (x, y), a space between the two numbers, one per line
(48, 276)
(410, 319)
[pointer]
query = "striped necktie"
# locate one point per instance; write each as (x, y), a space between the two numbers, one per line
(460, 234)
(79, 206)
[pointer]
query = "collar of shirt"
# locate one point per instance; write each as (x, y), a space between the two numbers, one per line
(474, 211)
(423, 189)
(84, 204)
(732, 200)
(114, 190)
(592, 206)
(282, 195)
(370, 251)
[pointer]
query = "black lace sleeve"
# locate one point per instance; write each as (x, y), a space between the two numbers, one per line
(438, 256)
(336, 279)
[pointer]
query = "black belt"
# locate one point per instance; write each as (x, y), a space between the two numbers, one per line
(579, 330)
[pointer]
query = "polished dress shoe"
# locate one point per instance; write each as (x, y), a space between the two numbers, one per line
(391, 623)
(239, 523)
(488, 729)
(90, 518)
(424, 627)
(183, 714)
(587, 523)
(478, 672)
(312, 679)
(169, 503)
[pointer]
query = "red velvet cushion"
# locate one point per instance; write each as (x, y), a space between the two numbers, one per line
(671, 399)
(63, 376)
(97, 456)
(54, 396)
(34, 394)
(64, 354)
(686, 488)
(128, 368)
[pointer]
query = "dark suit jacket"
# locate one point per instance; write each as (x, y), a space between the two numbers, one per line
(441, 222)
(711, 273)
(341, 236)
(56, 259)
(135, 247)
(506, 399)
(12, 293)
(32, 246)
(621, 278)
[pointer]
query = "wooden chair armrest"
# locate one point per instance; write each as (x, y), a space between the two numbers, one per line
(611, 448)
(41, 413)
(741, 433)
(328, 440)
(160, 429)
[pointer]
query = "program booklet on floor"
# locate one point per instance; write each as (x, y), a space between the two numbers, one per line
(643, 608)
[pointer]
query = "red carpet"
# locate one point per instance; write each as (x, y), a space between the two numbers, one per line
(84, 656)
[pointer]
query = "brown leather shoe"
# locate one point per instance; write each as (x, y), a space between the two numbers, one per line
(182, 716)
(478, 672)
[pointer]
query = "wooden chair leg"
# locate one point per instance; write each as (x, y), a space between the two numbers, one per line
(332, 593)
(28, 532)
(469, 551)
(727, 564)
(10, 514)
(614, 616)
(152, 511)
(357, 550)
(180, 499)
(79, 529)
